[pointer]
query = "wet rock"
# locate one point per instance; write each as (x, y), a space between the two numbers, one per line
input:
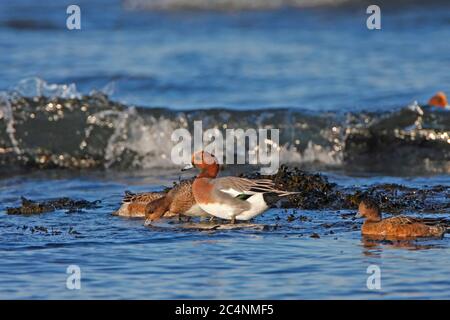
(50, 231)
(394, 198)
(29, 207)
(315, 192)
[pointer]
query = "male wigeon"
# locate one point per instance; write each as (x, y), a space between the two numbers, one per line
(400, 226)
(439, 100)
(178, 201)
(230, 198)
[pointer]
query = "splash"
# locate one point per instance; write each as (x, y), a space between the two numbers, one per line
(53, 126)
(36, 87)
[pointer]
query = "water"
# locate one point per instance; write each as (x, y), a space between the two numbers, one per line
(295, 63)
(311, 58)
(122, 258)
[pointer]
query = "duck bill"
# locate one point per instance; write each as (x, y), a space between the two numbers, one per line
(188, 167)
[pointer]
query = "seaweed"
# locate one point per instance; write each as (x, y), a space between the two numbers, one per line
(315, 192)
(29, 207)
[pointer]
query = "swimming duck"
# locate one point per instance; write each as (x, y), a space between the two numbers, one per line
(134, 205)
(400, 226)
(230, 198)
(439, 100)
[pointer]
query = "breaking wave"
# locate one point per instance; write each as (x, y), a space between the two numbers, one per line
(54, 126)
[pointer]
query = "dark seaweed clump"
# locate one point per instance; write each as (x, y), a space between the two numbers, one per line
(48, 231)
(315, 192)
(35, 207)
(395, 198)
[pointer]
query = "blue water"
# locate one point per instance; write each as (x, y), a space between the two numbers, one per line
(309, 58)
(314, 59)
(121, 258)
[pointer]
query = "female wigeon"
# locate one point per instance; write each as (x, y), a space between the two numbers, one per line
(178, 201)
(134, 205)
(230, 198)
(439, 100)
(400, 226)
(153, 205)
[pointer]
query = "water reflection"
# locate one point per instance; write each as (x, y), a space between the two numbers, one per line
(374, 245)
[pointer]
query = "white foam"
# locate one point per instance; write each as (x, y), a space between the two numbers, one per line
(7, 115)
(36, 87)
(313, 153)
(149, 139)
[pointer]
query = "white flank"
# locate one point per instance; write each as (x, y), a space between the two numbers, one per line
(257, 206)
(223, 211)
(219, 210)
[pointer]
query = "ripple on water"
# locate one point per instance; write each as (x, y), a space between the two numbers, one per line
(121, 258)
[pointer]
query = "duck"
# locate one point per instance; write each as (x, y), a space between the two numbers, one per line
(230, 198)
(178, 201)
(398, 227)
(134, 204)
(439, 100)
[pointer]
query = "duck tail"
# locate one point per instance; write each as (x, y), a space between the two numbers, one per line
(128, 196)
(271, 198)
(122, 211)
(439, 230)
(287, 193)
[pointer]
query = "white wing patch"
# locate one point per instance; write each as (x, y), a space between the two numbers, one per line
(257, 206)
(235, 193)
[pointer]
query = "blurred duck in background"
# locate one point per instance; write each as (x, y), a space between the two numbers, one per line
(439, 100)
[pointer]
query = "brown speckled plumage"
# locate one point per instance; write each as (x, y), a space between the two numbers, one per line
(154, 205)
(134, 205)
(400, 226)
(179, 200)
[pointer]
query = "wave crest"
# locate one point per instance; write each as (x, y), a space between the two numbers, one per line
(46, 126)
